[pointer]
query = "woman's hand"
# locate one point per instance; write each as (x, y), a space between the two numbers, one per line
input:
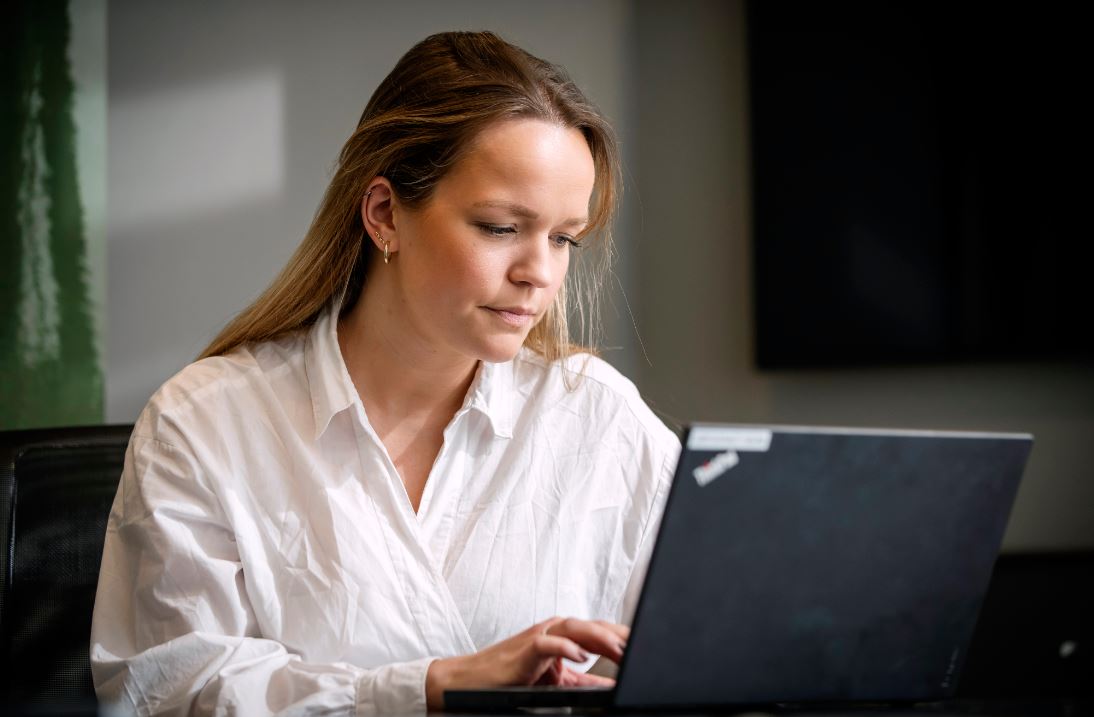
(530, 657)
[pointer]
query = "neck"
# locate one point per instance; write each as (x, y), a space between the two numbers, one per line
(397, 377)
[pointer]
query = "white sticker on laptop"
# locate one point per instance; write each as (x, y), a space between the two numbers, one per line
(715, 467)
(724, 438)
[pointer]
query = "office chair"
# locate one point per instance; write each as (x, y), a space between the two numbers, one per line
(56, 488)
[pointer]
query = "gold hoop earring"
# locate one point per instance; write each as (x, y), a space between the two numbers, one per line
(386, 243)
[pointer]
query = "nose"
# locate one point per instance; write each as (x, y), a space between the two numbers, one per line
(534, 264)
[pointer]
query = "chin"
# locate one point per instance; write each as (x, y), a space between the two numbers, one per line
(500, 351)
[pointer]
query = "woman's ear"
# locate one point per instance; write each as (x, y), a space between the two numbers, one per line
(377, 214)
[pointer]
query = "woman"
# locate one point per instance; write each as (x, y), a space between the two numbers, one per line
(390, 475)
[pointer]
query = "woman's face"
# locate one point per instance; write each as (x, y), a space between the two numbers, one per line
(481, 262)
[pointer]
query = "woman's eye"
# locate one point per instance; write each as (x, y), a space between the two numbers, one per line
(563, 240)
(497, 230)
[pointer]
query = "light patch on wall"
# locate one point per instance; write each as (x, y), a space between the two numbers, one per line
(197, 149)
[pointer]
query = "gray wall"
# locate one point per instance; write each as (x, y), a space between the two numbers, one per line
(225, 121)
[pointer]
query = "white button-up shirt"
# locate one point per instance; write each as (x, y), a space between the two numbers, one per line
(262, 554)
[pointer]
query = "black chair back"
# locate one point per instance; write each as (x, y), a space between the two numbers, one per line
(56, 489)
(1035, 635)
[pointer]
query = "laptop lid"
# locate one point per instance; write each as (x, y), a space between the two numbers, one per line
(809, 565)
(819, 564)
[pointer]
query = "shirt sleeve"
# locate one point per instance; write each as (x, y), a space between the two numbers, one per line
(173, 629)
(663, 474)
(651, 526)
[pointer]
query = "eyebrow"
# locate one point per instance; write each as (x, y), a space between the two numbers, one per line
(524, 212)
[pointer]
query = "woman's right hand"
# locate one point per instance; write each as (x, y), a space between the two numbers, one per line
(530, 657)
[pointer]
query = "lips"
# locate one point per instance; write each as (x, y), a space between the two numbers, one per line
(519, 310)
(517, 316)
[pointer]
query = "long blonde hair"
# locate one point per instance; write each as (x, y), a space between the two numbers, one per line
(416, 126)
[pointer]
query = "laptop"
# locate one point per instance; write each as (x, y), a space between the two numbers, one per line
(808, 565)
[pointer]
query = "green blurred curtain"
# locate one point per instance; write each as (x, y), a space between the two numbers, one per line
(50, 368)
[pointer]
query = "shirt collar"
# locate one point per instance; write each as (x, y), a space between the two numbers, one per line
(491, 394)
(332, 390)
